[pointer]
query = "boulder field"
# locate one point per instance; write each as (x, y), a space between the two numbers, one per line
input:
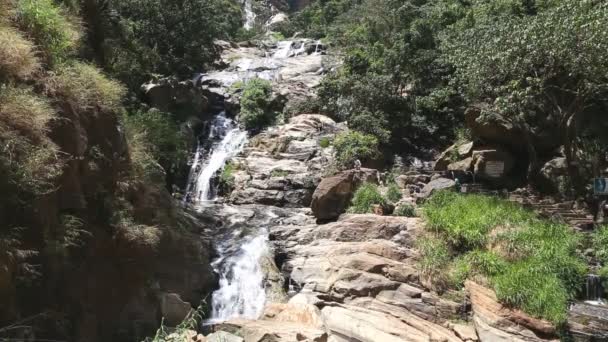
(355, 278)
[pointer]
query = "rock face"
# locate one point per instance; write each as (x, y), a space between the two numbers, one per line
(283, 165)
(588, 322)
(495, 322)
(361, 272)
(437, 185)
(173, 308)
(333, 195)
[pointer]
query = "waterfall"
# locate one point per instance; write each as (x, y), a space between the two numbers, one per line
(594, 290)
(228, 139)
(250, 15)
(283, 49)
(241, 293)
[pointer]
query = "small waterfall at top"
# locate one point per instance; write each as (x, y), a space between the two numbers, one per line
(228, 140)
(250, 15)
(594, 290)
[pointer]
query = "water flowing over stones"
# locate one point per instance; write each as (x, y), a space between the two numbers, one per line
(241, 292)
(228, 140)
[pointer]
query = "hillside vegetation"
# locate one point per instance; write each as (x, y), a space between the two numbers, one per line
(83, 162)
(413, 68)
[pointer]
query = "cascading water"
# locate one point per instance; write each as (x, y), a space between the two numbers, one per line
(241, 293)
(241, 240)
(229, 140)
(250, 15)
(594, 290)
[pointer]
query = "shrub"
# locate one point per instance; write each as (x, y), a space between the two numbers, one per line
(600, 243)
(366, 196)
(166, 143)
(256, 104)
(143, 163)
(324, 142)
(393, 193)
(49, 27)
(353, 145)
(406, 210)
(227, 177)
(17, 57)
(86, 89)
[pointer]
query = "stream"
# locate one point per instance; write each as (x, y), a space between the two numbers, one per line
(242, 241)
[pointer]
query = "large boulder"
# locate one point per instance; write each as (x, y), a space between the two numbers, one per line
(437, 185)
(493, 128)
(453, 154)
(554, 173)
(492, 163)
(332, 196)
(495, 322)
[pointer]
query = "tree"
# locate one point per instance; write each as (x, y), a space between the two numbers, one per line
(538, 71)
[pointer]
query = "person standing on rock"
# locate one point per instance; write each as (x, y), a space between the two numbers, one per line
(357, 164)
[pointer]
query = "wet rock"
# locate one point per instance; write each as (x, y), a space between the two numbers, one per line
(332, 196)
(588, 322)
(173, 308)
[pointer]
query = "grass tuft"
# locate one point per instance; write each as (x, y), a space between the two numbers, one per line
(29, 160)
(86, 88)
(50, 27)
(531, 263)
(17, 55)
(366, 196)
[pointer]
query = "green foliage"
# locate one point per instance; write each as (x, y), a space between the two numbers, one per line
(144, 164)
(406, 210)
(49, 26)
(435, 254)
(324, 142)
(256, 104)
(168, 145)
(531, 263)
(227, 176)
(351, 146)
(366, 196)
(540, 294)
(600, 243)
(393, 192)
(145, 37)
(468, 220)
(86, 88)
(279, 173)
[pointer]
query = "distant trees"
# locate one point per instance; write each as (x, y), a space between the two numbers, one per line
(412, 68)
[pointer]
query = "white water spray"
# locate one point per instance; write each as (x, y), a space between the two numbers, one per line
(241, 293)
(232, 141)
(250, 15)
